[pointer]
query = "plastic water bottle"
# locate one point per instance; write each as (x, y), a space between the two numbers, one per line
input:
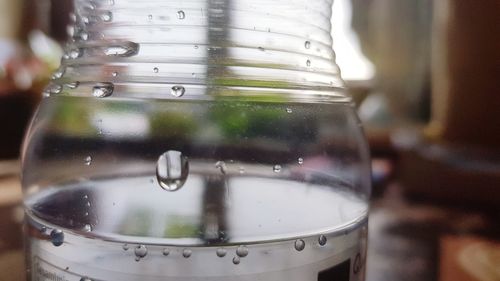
(197, 140)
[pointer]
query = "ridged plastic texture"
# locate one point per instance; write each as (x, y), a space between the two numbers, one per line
(200, 48)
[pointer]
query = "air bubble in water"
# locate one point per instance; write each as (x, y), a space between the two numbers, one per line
(221, 165)
(166, 252)
(107, 16)
(150, 17)
(300, 245)
(84, 36)
(289, 110)
(178, 91)
(181, 15)
(57, 237)
(125, 247)
(187, 253)
(88, 160)
(114, 74)
(261, 49)
(236, 260)
(172, 170)
(242, 170)
(156, 70)
(85, 279)
(300, 161)
(308, 63)
(307, 44)
(322, 240)
(277, 168)
(102, 90)
(140, 251)
(75, 53)
(221, 252)
(242, 251)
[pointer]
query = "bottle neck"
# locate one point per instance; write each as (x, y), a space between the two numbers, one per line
(214, 47)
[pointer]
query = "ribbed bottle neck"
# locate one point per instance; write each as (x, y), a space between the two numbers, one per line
(145, 48)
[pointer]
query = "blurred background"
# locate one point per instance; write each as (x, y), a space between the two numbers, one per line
(425, 76)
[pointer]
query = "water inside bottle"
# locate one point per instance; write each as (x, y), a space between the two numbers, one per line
(155, 207)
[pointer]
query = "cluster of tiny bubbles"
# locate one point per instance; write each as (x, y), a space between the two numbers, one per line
(88, 160)
(85, 279)
(307, 44)
(300, 161)
(103, 90)
(322, 240)
(178, 91)
(57, 237)
(140, 252)
(181, 15)
(125, 247)
(166, 252)
(300, 245)
(221, 165)
(187, 253)
(221, 252)
(277, 168)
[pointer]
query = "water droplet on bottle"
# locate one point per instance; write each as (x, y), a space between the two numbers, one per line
(88, 160)
(57, 237)
(181, 15)
(84, 36)
(73, 85)
(166, 252)
(87, 228)
(156, 70)
(85, 279)
(172, 170)
(75, 53)
(221, 252)
(289, 110)
(236, 260)
(187, 253)
(140, 251)
(300, 161)
(277, 168)
(107, 16)
(124, 49)
(59, 73)
(300, 245)
(322, 240)
(125, 247)
(53, 89)
(103, 90)
(307, 44)
(308, 63)
(242, 251)
(178, 91)
(221, 165)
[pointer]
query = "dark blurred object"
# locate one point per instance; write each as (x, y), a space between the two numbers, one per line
(458, 161)
(395, 35)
